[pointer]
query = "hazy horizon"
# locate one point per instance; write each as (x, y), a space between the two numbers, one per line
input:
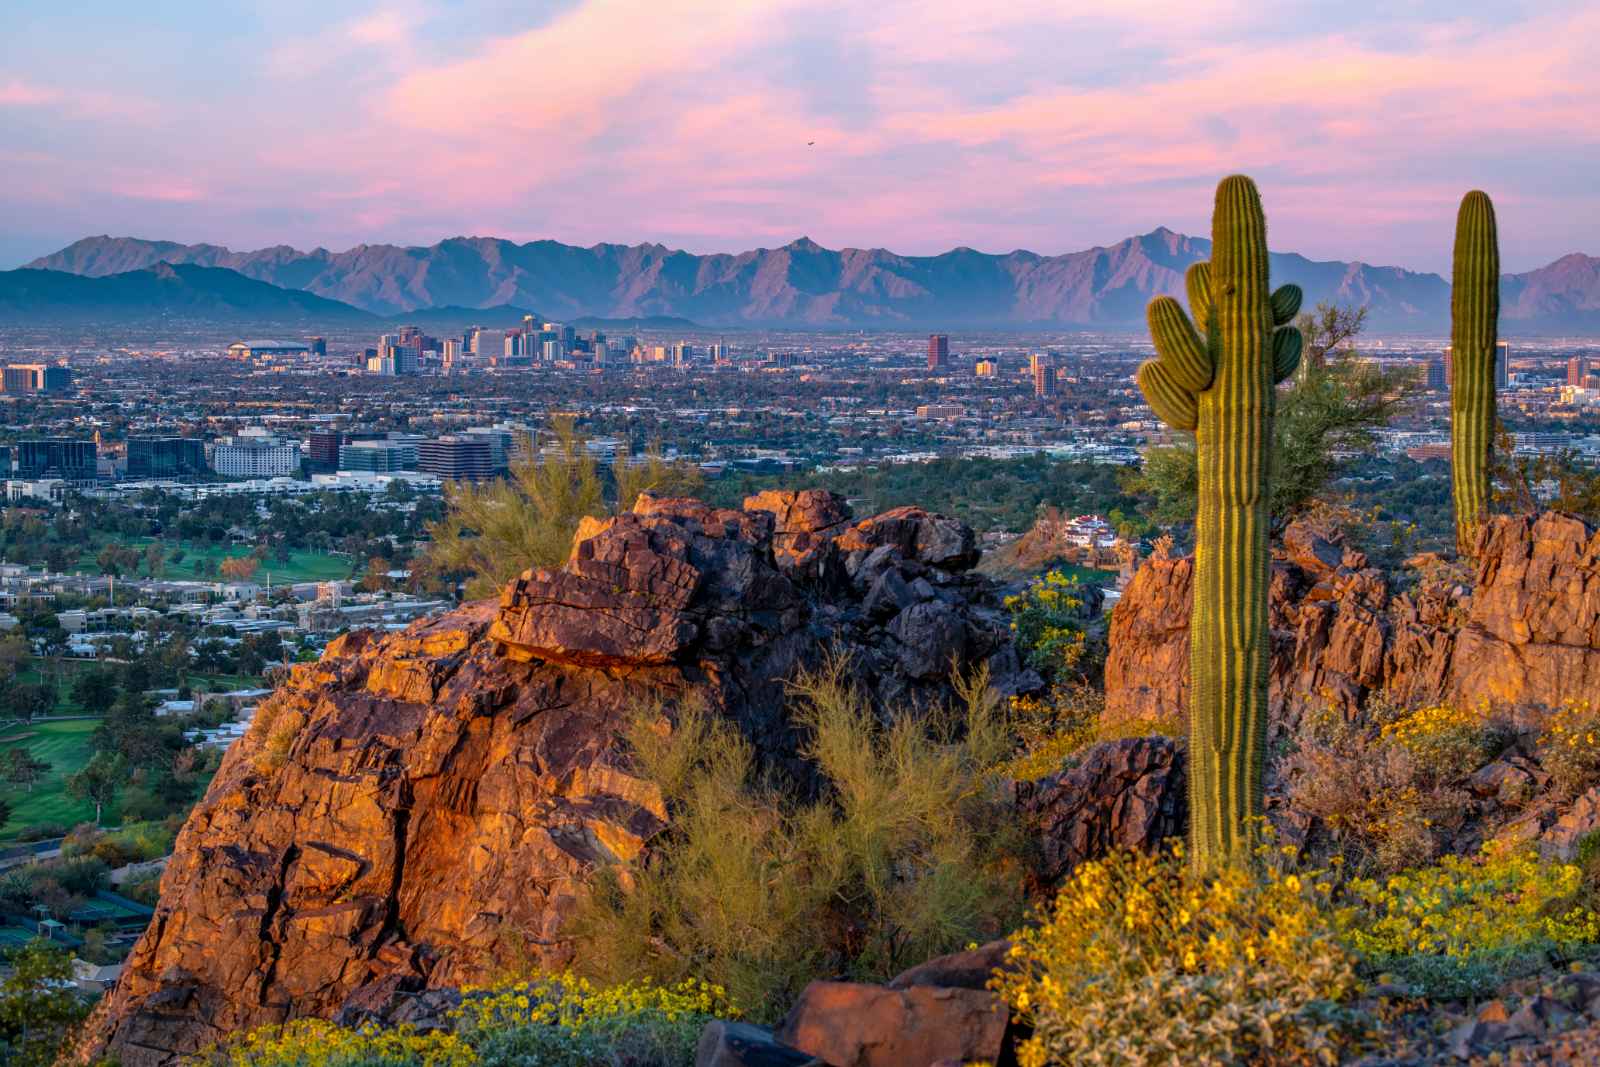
(721, 127)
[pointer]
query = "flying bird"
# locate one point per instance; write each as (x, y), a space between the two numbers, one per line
(810, 143)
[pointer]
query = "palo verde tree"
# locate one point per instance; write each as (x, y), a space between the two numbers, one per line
(1217, 376)
(1474, 326)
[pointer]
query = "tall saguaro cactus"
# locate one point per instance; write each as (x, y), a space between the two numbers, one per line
(1216, 376)
(1474, 325)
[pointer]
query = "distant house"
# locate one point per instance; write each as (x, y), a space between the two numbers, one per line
(95, 977)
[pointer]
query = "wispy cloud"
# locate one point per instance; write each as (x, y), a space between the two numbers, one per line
(914, 124)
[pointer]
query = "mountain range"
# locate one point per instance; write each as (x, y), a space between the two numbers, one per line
(803, 284)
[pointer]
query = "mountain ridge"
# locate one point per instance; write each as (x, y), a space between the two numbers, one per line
(160, 290)
(804, 284)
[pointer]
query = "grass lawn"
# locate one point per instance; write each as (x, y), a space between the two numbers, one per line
(303, 566)
(30, 673)
(63, 745)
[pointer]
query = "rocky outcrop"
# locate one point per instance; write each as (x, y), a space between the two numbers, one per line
(423, 809)
(1523, 628)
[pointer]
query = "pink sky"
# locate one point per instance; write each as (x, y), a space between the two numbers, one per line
(1037, 125)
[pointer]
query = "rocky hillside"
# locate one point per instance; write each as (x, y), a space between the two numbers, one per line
(803, 283)
(421, 809)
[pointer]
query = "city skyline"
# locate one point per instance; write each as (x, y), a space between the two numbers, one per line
(729, 126)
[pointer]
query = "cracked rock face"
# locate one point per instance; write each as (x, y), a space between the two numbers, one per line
(1526, 631)
(423, 809)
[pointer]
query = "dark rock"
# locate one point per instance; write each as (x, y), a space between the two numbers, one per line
(1121, 794)
(889, 594)
(730, 1044)
(932, 639)
(970, 969)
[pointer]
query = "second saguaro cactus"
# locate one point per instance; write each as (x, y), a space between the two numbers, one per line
(1474, 327)
(1216, 376)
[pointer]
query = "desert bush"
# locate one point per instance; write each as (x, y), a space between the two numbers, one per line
(1141, 959)
(1447, 743)
(1053, 729)
(1047, 620)
(1383, 788)
(1569, 747)
(1466, 924)
(274, 730)
(44, 831)
(146, 888)
(554, 1022)
(908, 850)
(134, 843)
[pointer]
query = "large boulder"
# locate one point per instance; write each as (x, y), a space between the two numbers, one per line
(849, 1024)
(423, 809)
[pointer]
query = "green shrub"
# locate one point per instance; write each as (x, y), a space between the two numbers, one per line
(1141, 960)
(1462, 926)
(910, 850)
(1051, 730)
(39, 1007)
(554, 1022)
(1446, 742)
(1569, 747)
(1047, 620)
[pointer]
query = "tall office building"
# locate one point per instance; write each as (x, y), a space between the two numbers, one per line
(318, 345)
(378, 457)
(1044, 375)
(166, 457)
(502, 443)
(938, 351)
(457, 457)
(1437, 375)
(56, 457)
(324, 455)
(36, 378)
(682, 354)
(1578, 371)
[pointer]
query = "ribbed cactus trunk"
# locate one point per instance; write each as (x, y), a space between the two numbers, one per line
(1219, 381)
(1474, 328)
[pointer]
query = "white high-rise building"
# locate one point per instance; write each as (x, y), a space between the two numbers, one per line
(255, 453)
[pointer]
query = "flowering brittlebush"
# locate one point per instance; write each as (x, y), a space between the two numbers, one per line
(1437, 922)
(1569, 747)
(1445, 741)
(1046, 619)
(1142, 960)
(561, 1021)
(319, 1043)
